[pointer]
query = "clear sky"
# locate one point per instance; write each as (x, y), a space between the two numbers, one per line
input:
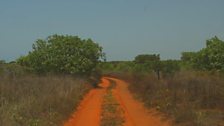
(125, 28)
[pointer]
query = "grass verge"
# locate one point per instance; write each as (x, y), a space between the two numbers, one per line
(31, 100)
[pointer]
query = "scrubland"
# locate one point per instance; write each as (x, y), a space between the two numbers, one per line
(38, 100)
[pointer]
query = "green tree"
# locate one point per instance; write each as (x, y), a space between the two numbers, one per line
(211, 57)
(144, 58)
(63, 54)
(188, 56)
(149, 62)
(187, 59)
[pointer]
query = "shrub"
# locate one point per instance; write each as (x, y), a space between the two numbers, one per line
(209, 58)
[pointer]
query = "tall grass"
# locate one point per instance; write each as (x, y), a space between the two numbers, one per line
(31, 100)
(190, 98)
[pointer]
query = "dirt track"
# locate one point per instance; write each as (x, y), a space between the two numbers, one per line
(89, 110)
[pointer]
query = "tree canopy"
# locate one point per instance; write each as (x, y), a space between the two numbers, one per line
(63, 54)
(145, 58)
(209, 58)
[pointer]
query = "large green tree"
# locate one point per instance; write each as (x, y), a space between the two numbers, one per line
(63, 54)
(212, 56)
(209, 58)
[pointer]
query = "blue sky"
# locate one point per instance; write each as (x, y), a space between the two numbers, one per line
(125, 28)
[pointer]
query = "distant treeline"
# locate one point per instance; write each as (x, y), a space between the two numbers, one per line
(210, 58)
(72, 55)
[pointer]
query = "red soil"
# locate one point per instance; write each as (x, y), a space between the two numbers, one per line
(89, 110)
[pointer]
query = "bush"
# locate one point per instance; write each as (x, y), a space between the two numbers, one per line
(63, 54)
(209, 58)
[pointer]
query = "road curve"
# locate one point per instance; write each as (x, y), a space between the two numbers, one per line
(135, 112)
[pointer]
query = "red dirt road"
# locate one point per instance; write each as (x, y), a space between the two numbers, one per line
(135, 112)
(89, 110)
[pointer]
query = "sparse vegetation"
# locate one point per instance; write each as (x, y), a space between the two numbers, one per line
(190, 90)
(194, 98)
(44, 87)
(31, 100)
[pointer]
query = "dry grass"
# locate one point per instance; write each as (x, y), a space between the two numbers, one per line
(190, 98)
(31, 100)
